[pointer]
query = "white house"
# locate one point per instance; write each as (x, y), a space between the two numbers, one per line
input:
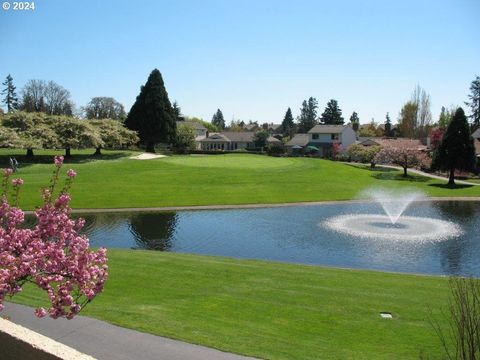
(231, 140)
(323, 136)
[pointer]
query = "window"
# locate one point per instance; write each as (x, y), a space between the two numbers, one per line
(334, 136)
(314, 136)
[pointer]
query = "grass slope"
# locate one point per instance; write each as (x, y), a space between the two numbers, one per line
(269, 310)
(117, 181)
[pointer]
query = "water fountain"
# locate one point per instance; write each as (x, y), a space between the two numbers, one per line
(392, 225)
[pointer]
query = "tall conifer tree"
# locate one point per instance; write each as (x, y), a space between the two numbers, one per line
(288, 125)
(456, 150)
(152, 114)
(218, 120)
(10, 99)
(332, 114)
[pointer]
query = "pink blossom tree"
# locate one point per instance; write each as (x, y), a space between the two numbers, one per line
(336, 149)
(405, 157)
(53, 255)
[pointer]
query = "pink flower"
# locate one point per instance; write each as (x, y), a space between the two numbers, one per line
(53, 254)
(58, 160)
(17, 182)
(7, 172)
(40, 312)
(71, 173)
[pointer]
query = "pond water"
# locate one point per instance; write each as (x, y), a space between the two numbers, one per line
(300, 234)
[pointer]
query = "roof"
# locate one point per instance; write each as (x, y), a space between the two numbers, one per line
(251, 127)
(227, 136)
(239, 136)
(396, 143)
(196, 125)
(274, 140)
(327, 129)
(299, 140)
(215, 137)
(476, 134)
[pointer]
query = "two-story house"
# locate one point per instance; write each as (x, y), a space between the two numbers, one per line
(323, 136)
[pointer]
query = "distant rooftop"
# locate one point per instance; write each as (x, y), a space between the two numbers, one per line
(327, 129)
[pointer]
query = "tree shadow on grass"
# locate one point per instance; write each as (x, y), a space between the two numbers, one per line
(399, 177)
(454, 187)
(25, 161)
(367, 167)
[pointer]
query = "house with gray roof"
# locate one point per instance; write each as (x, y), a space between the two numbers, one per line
(323, 136)
(231, 140)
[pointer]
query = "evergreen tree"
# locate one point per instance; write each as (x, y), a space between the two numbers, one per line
(308, 115)
(332, 114)
(177, 111)
(152, 114)
(388, 126)
(10, 99)
(456, 150)
(355, 121)
(474, 103)
(218, 120)
(288, 125)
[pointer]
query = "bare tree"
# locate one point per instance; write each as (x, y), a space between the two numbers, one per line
(51, 98)
(461, 340)
(423, 116)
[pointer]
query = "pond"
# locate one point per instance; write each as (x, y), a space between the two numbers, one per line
(299, 234)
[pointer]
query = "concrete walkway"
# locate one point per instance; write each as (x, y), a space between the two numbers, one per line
(105, 341)
(419, 172)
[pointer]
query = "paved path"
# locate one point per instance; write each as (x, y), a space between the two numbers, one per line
(415, 171)
(105, 341)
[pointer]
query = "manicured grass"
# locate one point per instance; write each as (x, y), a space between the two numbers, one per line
(269, 310)
(114, 180)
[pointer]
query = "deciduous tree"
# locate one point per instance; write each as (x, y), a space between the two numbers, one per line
(102, 107)
(403, 156)
(113, 134)
(47, 97)
(32, 130)
(54, 255)
(74, 134)
(408, 120)
(185, 139)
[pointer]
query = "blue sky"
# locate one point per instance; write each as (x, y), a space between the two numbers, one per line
(252, 59)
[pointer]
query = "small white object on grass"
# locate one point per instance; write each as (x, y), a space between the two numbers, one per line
(386, 315)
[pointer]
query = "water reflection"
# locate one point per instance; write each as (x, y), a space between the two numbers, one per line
(154, 231)
(292, 234)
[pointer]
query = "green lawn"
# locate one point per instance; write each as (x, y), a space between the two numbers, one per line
(269, 310)
(114, 180)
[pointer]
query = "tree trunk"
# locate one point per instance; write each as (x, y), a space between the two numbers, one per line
(404, 171)
(29, 153)
(150, 147)
(67, 152)
(451, 178)
(98, 151)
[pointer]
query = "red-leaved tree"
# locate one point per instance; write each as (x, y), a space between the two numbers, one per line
(53, 255)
